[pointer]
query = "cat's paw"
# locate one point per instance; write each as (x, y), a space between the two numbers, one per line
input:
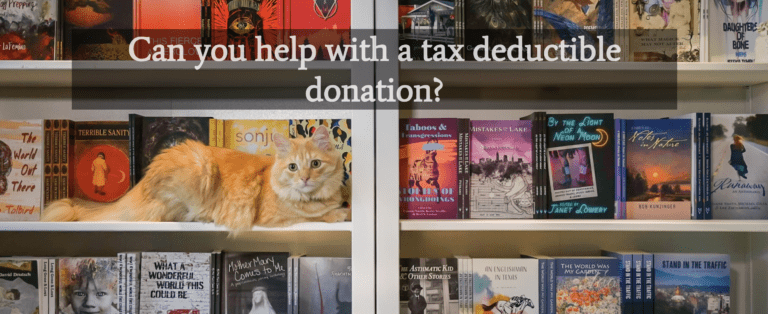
(336, 215)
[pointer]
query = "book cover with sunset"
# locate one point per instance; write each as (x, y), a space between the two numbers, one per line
(658, 169)
(101, 165)
(501, 170)
(428, 168)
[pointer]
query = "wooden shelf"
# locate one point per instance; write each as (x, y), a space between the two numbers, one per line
(113, 226)
(558, 74)
(586, 225)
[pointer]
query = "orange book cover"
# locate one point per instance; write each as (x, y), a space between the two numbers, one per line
(168, 23)
(320, 23)
(101, 166)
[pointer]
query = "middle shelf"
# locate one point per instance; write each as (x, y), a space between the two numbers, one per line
(585, 225)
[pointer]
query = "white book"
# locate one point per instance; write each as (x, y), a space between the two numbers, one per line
(504, 284)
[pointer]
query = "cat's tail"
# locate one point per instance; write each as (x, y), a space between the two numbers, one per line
(73, 209)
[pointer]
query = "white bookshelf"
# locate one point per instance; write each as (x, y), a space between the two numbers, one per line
(121, 226)
(596, 225)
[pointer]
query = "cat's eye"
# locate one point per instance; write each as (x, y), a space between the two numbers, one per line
(293, 167)
(315, 163)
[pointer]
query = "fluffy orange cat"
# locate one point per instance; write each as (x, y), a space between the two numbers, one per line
(194, 182)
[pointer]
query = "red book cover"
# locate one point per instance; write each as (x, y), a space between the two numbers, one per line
(428, 169)
(320, 23)
(238, 22)
(101, 165)
(97, 30)
(28, 29)
(168, 23)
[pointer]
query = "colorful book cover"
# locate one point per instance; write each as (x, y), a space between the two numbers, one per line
(239, 22)
(739, 166)
(501, 169)
(325, 285)
(505, 285)
(576, 143)
(30, 29)
(501, 21)
(659, 169)
(100, 163)
(562, 20)
(664, 30)
(251, 136)
(433, 21)
(429, 285)
(84, 278)
(159, 133)
(255, 282)
(97, 30)
(21, 169)
(20, 287)
(627, 276)
(320, 23)
(428, 169)
(588, 285)
(738, 31)
(183, 27)
(175, 283)
(692, 283)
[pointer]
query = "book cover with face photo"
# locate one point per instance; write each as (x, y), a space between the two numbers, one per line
(429, 285)
(659, 169)
(576, 145)
(175, 283)
(87, 285)
(506, 285)
(325, 285)
(19, 287)
(501, 170)
(255, 283)
(739, 166)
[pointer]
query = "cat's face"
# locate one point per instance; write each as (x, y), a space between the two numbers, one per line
(307, 168)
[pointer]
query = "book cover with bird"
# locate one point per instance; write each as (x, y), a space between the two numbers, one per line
(659, 169)
(325, 285)
(576, 144)
(100, 160)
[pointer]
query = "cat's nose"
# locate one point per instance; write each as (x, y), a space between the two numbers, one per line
(305, 180)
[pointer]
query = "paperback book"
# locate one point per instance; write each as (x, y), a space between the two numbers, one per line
(97, 30)
(433, 21)
(739, 166)
(501, 169)
(20, 287)
(692, 283)
(255, 282)
(588, 285)
(100, 160)
(429, 285)
(175, 283)
(320, 23)
(738, 31)
(81, 277)
(500, 284)
(29, 30)
(658, 174)
(576, 143)
(249, 136)
(325, 284)
(21, 169)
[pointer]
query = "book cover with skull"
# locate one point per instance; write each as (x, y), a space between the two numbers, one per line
(21, 169)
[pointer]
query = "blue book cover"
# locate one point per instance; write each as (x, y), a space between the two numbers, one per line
(692, 283)
(588, 285)
(625, 266)
(659, 169)
(739, 166)
(637, 279)
(648, 283)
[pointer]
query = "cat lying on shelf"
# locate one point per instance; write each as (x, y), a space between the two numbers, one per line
(194, 182)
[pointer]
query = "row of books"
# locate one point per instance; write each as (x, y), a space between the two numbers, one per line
(47, 160)
(617, 283)
(683, 30)
(695, 166)
(103, 30)
(176, 283)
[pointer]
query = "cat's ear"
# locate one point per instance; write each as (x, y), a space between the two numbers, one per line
(282, 144)
(322, 139)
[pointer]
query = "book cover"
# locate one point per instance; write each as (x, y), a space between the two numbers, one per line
(562, 20)
(739, 166)
(175, 283)
(501, 21)
(239, 22)
(433, 21)
(251, 136)
(738, 31)
(626, 285)
(21, 169)
(20, 287)
(429, 285)
(84, 278)
(509, 285)
(659, 169)
(665, 31)
(97, 30)
(255, 282)
(159, 133)
(692, 283)
(588, 285)
(320, 23)
(153, 19)
(325, 285)
(501, 169)
(100, 163)
(575, 144)
(428, 169)
(30, 29)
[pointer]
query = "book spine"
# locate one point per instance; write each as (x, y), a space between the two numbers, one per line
(296, 269)
(220, 133)
(467, 164)
(626, 284)
(617, 168)
(41, 293)
(460, 168)
(132, 148)
(543, 286)
(53, 286)
(47, 151)
(538, 201)
(543, 162)
(212, 135)
(67, 152)
(462, 286)
(220, 262)
(290, 285)
(212, 283)
(121, 283)
(46, 291)
(699, 167)
(648, 294)
(637, 263)
(707, 166)
(56, 161)
(552, 290)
